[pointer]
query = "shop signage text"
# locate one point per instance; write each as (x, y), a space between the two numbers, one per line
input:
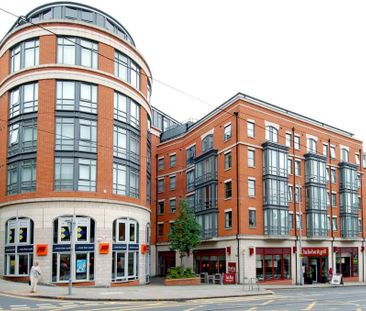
(315, 251)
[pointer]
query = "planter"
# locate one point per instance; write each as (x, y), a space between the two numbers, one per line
(187, 281)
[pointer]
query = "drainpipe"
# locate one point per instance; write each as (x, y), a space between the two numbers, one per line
(331, 206)
(295, 209)
(237, 190)
(156, 215)
(362, 217)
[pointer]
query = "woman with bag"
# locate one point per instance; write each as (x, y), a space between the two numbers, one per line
(34, 275)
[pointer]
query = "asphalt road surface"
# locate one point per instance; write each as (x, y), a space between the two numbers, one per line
(340, 298)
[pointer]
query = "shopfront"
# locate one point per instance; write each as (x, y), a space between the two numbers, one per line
(347, 261)
(125, 250)
(166, 261)
(18, 247)
(315, 261)
(209, 260)
(83, 261)
(273, 264)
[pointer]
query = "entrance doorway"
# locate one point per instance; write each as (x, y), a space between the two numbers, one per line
(166, 261)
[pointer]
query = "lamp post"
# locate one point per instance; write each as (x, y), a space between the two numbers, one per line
(71, 224)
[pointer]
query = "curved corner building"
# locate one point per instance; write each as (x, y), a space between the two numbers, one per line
(75, 172)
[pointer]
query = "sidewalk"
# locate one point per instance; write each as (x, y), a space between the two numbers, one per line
(151, 292)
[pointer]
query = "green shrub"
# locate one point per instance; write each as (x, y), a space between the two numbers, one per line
(180, 273)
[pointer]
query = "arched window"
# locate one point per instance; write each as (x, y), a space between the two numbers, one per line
(345, 155)
(83, 259)
(18, 246)
(125, 250)
(312, 145)
(207, 143)
(272, 134)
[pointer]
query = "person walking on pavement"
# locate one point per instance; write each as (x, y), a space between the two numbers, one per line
(34, 275)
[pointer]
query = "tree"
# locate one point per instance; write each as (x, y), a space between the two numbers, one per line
(185, 233)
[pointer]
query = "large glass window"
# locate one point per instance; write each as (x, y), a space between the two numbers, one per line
(312, 145)
(126, 180)
(75, 174)
(22, 137)
(24, 54)
(275, 162)
(276, 221)
(78, 96)
(315, 171)
(23, 99)
(272, 134)
(126, 144)
(273, 264)
(126, 69)
(126, 110)
(76, 134)
(77, 51)
(275, 192)
(21, 176)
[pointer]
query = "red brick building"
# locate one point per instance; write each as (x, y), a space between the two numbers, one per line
(88, 165)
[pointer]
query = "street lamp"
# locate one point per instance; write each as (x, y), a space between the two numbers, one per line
(71, 225)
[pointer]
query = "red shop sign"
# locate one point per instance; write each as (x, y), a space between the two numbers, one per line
(232, 267)
(315, 251)
(229, 278)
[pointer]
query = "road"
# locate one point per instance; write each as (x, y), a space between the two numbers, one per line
(309, 299)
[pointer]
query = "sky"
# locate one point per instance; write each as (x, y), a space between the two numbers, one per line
(305, 56)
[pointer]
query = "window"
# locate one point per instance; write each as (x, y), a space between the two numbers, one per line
(190, 155)
(252, 218)
(250, 129)
(288, 140)
(297, 142)
(126, 144)
(22, 137)
(126, 180)
(298, 194)
(126, 110)
(227, 132)
(333, 178)
(125, 230)
(126, 69)
(251, 187)
(291, 220)
(357, 158)
(76, 134)
(207, 143)
(23, 99)
(227, 157)
(251, 158)
(228, 219)
(334, 199)
(21, 176)
(173, 160)
(312, 145)
(325, 150)
(289, 166)
(228, 189)
(297, 167)
(172, 184)
(77, 51)
(75, 174)
(161, 207)
(332, 152)
(190, 181)
(345, 155)
(160, 229)
(160, 164)
(334, 224)
(364, 160)
(161, 185)
(173, 205)
(272, 134)
(290, 193)
(24, 55)
(18, 235)
(298, 221)
(76, 96)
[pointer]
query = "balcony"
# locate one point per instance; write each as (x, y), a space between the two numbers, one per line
(207, 234)
(204, 205)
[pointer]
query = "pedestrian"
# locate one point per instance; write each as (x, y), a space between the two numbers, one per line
(330, 274)
(34, 276)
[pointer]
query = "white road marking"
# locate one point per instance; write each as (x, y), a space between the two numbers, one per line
(266, 303)
(310, 306)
